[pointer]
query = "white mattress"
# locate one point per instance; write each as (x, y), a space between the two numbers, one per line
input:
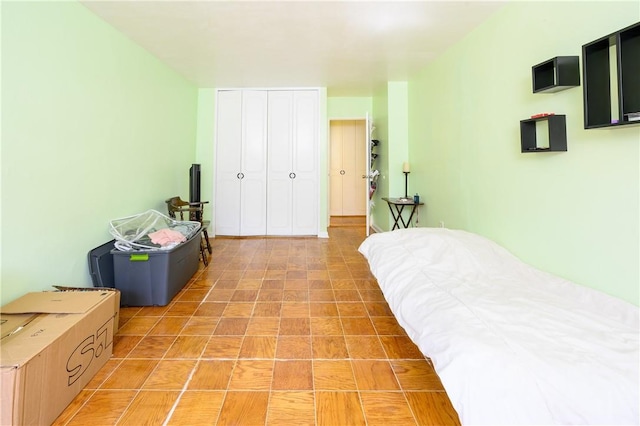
(511, 344)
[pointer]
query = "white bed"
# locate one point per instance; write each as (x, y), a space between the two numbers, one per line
(511, 344)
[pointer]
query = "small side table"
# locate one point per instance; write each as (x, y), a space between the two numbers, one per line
(396, 206)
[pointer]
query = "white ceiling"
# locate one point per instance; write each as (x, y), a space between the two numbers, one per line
(350, 47)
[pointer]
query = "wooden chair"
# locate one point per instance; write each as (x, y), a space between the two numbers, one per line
(193, 211)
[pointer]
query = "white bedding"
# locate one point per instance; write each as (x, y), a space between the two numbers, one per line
(511, 344)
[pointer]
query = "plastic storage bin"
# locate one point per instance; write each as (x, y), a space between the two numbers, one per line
(101, 265)
(154, 277)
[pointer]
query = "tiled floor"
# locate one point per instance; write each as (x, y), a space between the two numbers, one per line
(275, 331)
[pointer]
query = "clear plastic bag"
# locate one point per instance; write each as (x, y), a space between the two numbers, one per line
(132, 232)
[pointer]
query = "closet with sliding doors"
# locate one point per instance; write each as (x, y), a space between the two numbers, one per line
(266, 162)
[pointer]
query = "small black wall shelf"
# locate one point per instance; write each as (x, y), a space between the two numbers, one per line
(599, 105)
(557, 134)
(559, 73)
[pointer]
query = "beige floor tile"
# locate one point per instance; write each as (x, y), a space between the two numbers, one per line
(374, 375)
(329, 347)
(200, 326)
(232, 326)
(365, 347)
(346, 295)
(326, 326)
(107, 406)
(130, 374)
(386, 409)
(416, 375)
(338, 408)
(291, 408)
(293, 347)
(270, 295)
(169, 326)
(400, 347)
(152, 347)
(122, 345)
(432, 408)
(170, 375)
(267, 309)
(258, 347)
(197, 408)
(225, 347)
(387, 326)
(252, 375)
(295, 326)
(73, 408)
(103, 373)
(149, 408)
(263, 326)
(292, 375)
(210, 309)
(323, 309)
(192, 295)
(357, 326)
(333, 375)
(244, 408)
(182, 309)
(238, 310)
(295, 309)
(138, 326)
(211, 375)
(378, 309)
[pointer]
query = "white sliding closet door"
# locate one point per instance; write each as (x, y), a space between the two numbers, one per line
(280, 188)
(228, 162)
(241, 153)
(305, 163)
(292, 194)
(254, 163)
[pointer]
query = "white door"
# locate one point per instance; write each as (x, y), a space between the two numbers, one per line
(240, 201)
(254, 163)
(280, 160)
(348, 165)
(228, 162)
(336, 172)
(305, 163)
(292, 195)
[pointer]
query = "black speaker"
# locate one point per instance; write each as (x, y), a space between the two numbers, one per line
(194, 184)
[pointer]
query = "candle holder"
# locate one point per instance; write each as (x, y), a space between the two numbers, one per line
(406, 180)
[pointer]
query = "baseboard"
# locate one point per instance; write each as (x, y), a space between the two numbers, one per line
(323, 234)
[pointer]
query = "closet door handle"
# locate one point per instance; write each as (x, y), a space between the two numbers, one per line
(292, 175)
(342, 172)
(240, 175)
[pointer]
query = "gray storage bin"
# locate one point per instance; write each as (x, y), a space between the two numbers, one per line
(154, 277)
(101, 265)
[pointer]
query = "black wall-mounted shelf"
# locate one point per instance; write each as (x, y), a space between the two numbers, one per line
(559, 73)
(599, 107)
(557, 134)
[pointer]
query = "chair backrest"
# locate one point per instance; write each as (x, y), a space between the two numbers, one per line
(174, 205)
(177, 205)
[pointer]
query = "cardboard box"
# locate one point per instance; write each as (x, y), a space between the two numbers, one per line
(51, 345)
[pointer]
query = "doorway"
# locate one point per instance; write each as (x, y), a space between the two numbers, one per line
(348, 168)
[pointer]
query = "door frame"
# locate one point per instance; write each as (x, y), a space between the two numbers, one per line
(367, 143)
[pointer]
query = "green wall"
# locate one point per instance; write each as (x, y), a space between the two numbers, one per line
(93, 128)
(575, 214)
(348, 107)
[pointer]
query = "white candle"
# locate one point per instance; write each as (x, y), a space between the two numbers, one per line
(405, 167)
